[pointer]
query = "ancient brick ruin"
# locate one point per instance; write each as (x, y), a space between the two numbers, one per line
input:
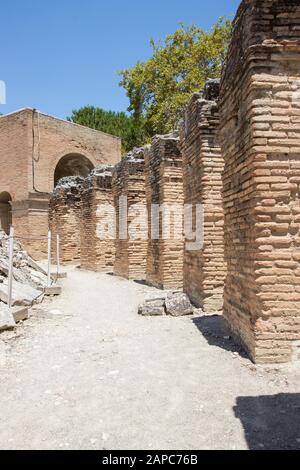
(204, 268)
(129, 198)
(164, 186)
(237, 157)
(36, 150)
(65, 218)
(97, 246)
(260, 130)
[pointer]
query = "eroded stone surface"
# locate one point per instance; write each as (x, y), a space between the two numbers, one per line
(178, 305)
(6, 318)
(171, 303)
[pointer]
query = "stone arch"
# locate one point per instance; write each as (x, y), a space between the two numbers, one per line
(5, 212)
(72, 164)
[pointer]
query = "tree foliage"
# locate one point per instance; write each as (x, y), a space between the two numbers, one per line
(159, 88)
(129, 128)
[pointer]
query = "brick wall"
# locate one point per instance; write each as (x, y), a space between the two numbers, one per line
(97, 248)
(129, 181)
(204, 268)
(65, 219)
(260, 135)
(164, 185)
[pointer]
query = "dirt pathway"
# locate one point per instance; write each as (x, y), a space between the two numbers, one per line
(86, 372)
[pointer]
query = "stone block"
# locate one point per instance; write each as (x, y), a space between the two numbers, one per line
(7, 321)
(52, 290)
(178, 305)
(20, 314)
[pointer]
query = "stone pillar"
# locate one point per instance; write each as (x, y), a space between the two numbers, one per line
(65, 218)
(260, 137)
(97, 212)
(164, 189)
(204, 265)
(128, 185)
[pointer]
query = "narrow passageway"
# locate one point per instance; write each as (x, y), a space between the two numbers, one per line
(86, 372)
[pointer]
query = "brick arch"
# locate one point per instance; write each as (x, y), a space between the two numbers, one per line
(72, 163)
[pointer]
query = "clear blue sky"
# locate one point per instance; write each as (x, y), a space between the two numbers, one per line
(63, 54)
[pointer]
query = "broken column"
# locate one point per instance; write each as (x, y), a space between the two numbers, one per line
(260, 129)
(164, 191)
(97, 221)
(204, 265)
(65, 218)
(131, 221)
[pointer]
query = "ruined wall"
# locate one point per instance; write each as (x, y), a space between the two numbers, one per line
(65, 219)
(31, 146)
(129, 182)
(260, 135)
(204, 266)
(164, 186)
(97, 240)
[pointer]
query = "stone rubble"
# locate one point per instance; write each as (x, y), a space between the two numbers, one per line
(173, 303)
(6, 318)
(97, 251)
(29, 280)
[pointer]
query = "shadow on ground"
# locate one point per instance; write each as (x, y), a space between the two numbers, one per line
(270, 422)
(216, 333)
(142, 282)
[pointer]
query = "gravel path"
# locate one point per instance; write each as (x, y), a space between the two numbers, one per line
(86, 372)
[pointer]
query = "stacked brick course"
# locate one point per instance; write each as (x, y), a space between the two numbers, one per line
(164, 186)
(129, 182)
(204, 268)
(97, 243)
(65, 218)
(260, 123)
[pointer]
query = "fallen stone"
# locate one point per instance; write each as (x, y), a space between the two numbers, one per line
(34, 265)
(156, 297)
(22, 294)
(178, 304)
(6, 318)
(160, 295)
(20, 314)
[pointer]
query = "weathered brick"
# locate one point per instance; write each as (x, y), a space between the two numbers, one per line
(261, 225)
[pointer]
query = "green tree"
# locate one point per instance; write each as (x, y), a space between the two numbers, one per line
(159, 88)
(129, 128)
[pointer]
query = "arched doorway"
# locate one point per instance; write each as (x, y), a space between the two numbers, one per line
(72, 165)
(5, 212)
